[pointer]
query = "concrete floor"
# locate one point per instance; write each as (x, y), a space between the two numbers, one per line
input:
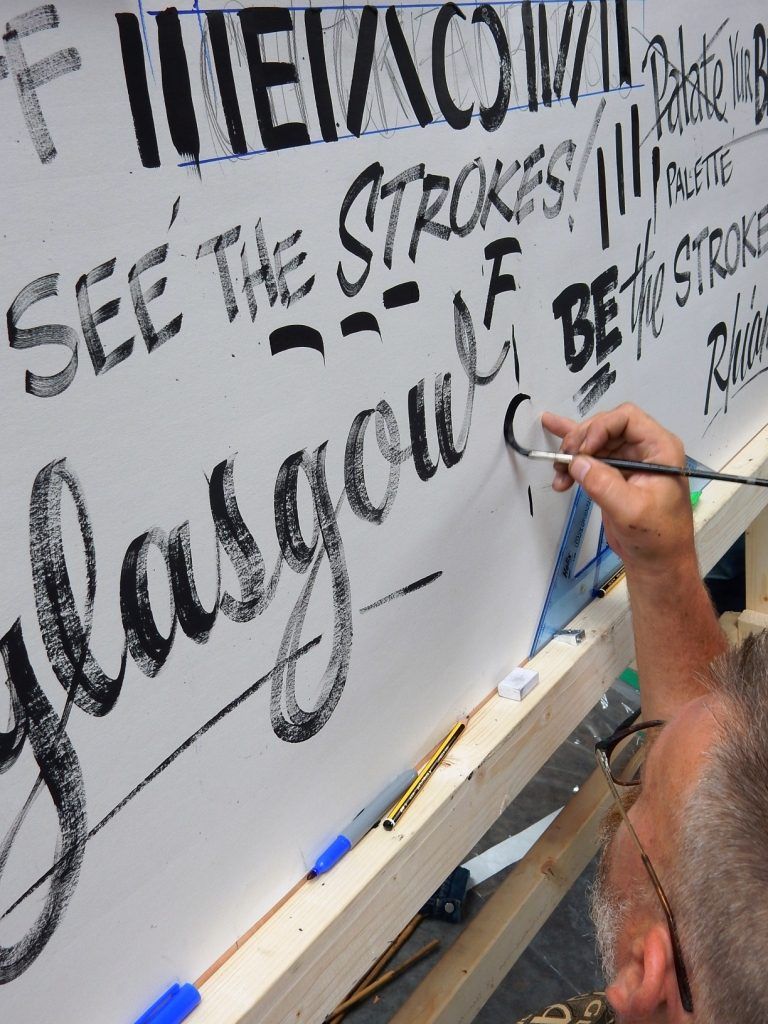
(560, 962)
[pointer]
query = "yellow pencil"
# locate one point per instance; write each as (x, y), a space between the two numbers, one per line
(397, 811)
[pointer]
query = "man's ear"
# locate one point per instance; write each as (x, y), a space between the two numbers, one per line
(646, 982)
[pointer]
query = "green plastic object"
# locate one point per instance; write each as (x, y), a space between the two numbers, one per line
(630, 676)
(695, 495)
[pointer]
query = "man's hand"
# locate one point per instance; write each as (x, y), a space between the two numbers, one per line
(647, 518)
(648, 523)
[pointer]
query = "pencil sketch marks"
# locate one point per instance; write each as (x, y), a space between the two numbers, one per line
(386, 85)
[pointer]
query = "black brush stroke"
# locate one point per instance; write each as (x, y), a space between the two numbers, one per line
(401, 295)
(177, 91)
(562, 53)
(132, 49)
(296, 336)
(656, 164)
(407, 68)
(581, 48)
(604, 229)
(316, 51)
(622, 31)
(361, 71)
(417, 585)
(530, 54)
(256, 22)
(217, 33)
(604, 45)
(221, 714)
(620, 167)
(594, 389)
(636, 178)
(546, 78)
(174, 212)
(355, 323)
(515, 357)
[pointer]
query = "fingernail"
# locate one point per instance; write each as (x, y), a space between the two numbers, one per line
(579, 468)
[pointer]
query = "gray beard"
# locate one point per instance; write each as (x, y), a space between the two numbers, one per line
(606, 908)
(607, 911)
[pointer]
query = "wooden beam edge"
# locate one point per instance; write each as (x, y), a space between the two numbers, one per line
(304, 957)
(726, 510)
(750, 622)
(465, 977)
(346, 918)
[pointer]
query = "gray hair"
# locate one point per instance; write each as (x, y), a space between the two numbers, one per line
(719, 887)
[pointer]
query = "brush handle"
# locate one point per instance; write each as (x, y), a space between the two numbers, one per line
(565, 459)
(699, 474)
(696, 473)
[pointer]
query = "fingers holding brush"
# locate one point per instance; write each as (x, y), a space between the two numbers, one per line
(625, 432)
(647, 517)
(563, 428)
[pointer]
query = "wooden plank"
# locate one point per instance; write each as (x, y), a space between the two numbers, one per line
(466, 976)
(725, 511)
(303, 959)
(756, 565)
(348, 916)
(729, 623)
(750, 622)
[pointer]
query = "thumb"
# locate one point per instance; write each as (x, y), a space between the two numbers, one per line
(606, 486)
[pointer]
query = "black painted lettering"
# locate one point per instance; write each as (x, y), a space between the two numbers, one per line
(152, 338)
(45, 334)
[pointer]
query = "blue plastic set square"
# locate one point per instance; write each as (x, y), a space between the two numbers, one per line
(571, 589)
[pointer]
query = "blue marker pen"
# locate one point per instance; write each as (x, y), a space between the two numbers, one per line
(362, 823)
(172, 1007)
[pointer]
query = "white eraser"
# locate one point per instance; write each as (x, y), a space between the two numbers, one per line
(518, 683)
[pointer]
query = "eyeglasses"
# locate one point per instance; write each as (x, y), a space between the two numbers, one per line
(611, 759)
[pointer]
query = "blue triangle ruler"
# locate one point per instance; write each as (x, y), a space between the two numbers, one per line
(571, 588)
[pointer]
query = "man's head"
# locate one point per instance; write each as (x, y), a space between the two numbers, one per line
(702, 818)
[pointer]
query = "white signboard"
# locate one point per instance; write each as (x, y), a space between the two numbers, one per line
(272, 275)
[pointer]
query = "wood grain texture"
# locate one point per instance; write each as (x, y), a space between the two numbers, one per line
(750, 622)
(756, 564)
(729, 623)
(466, 976)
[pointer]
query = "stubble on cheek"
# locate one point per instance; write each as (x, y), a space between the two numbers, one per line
(606, 907)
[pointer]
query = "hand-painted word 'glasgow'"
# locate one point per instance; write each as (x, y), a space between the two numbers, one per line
(66, 629)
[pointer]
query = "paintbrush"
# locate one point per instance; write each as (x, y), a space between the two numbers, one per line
(698, 471)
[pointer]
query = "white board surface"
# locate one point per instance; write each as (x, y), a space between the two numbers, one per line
(250, 571)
